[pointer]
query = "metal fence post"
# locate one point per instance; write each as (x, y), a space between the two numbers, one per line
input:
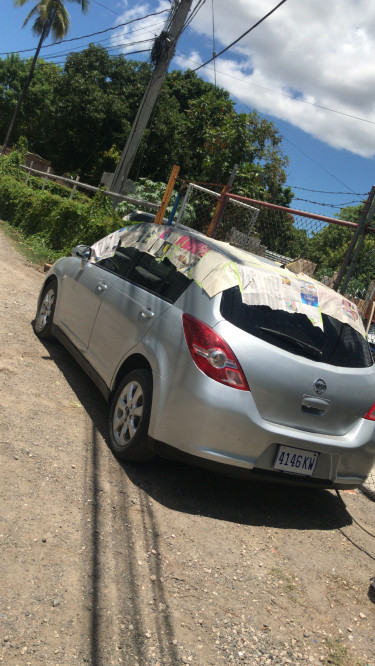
(175, 206)
(184, 203)
(46, 178)
(350, 250)
(221, 203)
(361, 229)
(28, 173)
(74, 188)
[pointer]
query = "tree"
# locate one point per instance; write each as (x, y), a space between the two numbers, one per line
(36, 115)
(96, 103)
(327, 249)
(51, 15)
(90, 105)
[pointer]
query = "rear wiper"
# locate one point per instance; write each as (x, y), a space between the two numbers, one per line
(295, 341)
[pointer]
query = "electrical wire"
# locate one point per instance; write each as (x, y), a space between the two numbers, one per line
(241, 36)
(92, 34)
(193, 14)
(107, 48)
(62, 62)
(281, 94)
(284, 137)
(110, 10)
(319, 165)
(213, 39)
(101, 42)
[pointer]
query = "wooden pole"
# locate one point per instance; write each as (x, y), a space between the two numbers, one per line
(167, 195)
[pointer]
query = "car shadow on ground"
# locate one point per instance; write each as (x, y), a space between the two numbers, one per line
(192, 490)
(371, 593)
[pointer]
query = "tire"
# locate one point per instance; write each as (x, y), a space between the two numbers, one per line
(46, 308)
(129, 418)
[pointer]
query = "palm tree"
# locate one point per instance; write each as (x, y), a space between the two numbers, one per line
(51, 15)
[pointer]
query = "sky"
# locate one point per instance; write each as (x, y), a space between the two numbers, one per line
(309, 68)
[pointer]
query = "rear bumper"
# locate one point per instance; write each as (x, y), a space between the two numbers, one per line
(218, 425)
(253, 474)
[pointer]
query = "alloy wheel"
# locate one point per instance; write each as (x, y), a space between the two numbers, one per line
(128, 413)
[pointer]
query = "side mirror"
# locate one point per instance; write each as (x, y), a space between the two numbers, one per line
(83, 252)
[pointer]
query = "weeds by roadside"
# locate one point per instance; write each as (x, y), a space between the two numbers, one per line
(33, 248)
(339, 654)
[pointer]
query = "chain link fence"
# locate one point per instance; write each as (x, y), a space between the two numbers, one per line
(277, 232)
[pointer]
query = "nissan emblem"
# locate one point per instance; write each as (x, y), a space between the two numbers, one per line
(319, 385)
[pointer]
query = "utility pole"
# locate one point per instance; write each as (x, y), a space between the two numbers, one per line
(161, 55)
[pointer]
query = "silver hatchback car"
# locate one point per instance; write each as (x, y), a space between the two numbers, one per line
(211, 353)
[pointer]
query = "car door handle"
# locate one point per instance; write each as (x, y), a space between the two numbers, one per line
(101, 286)
(146, 312)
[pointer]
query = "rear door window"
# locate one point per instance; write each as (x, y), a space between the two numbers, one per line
(121, 261)
(339, 344)
(159, 276)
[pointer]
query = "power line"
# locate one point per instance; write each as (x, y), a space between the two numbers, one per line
(281, 94)
(319, 165)
(92, 34)
(193, 14)
(284, 137)
(241, 36)
(62, 62)
(107, 48)
(110, 10)
(102, 41)
(213, 38)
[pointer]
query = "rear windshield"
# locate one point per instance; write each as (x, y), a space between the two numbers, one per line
(339, 344)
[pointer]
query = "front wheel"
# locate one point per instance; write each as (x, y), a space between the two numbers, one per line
(44, 316)
(129, 417)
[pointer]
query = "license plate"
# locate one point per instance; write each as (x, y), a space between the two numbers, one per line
(295, 461)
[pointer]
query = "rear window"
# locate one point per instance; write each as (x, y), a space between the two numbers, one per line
(339, 344)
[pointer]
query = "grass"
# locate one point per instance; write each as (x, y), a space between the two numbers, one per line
(288, 584)
(340, 655)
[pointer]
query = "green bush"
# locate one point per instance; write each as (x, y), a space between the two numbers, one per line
(56, 222)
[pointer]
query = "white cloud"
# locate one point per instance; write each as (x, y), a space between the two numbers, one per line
(321, 49)
(139, 34)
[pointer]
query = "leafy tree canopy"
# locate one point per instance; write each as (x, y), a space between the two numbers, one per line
(79, 116)
(328, 246)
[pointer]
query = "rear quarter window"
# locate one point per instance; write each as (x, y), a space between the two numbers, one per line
(339, 344)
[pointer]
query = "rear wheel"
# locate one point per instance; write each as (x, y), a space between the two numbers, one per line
(44, 316)
(129, 417)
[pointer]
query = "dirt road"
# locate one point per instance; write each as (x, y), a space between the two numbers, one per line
(158, 564)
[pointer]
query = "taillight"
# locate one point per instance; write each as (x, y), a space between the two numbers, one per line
(370, 416)
(212, 354)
